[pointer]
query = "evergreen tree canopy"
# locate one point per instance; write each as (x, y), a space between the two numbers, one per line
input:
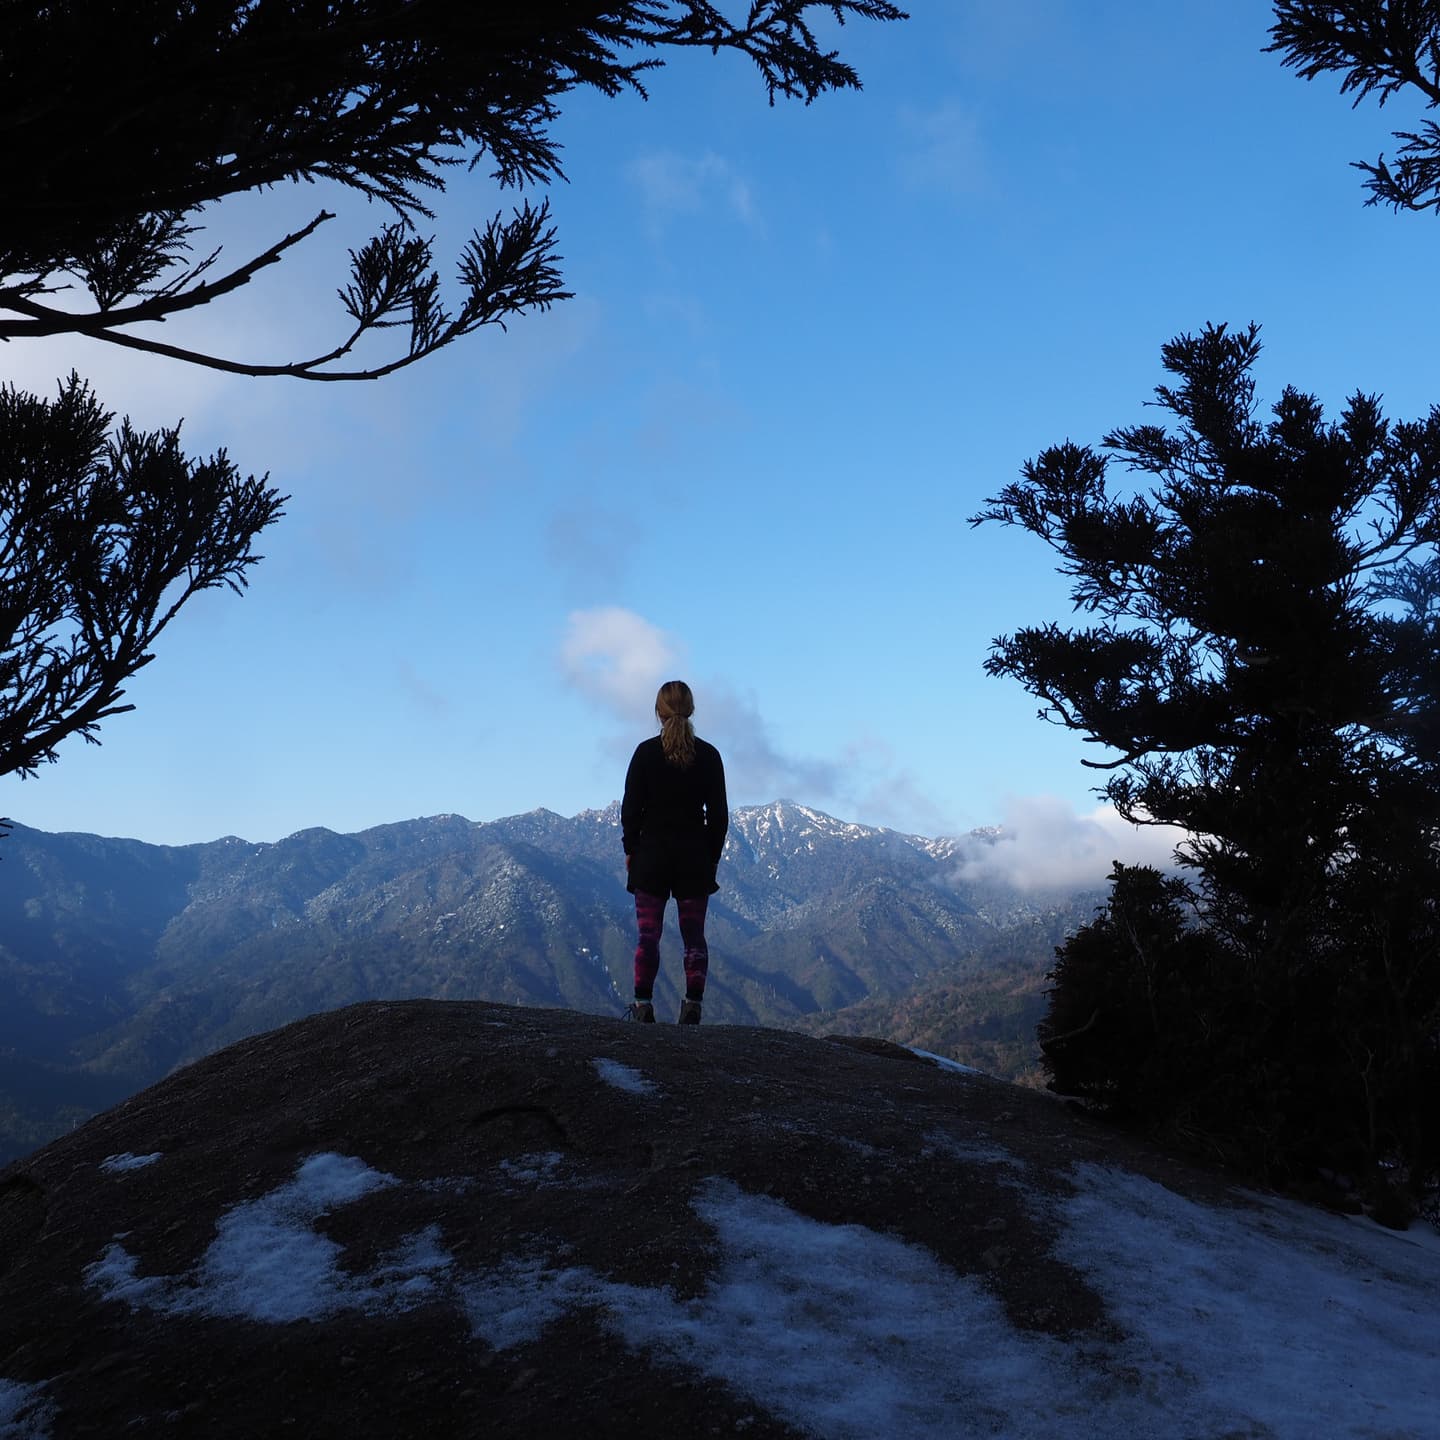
(1381, 48)
(1268, 610)
(1263, 668)
(121, 123)
(103, 537)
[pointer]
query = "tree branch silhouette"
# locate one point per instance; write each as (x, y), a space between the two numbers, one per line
(382, 97)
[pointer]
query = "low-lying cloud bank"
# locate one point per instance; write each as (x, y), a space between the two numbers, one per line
(1044, 844)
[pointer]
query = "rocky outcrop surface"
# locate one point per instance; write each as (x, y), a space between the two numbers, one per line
(455, 1219)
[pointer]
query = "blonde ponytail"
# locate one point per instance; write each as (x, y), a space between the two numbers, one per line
(674, 705)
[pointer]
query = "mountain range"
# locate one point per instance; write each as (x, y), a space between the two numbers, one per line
(120, 961)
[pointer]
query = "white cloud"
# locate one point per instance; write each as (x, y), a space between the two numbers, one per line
(674, 184)
(1044, 844)
(153, 392)
(944, 149)
(619, 659)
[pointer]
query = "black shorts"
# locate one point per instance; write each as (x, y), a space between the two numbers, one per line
(681, 871)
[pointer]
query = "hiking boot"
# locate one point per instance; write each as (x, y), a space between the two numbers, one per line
(689, 1013)
(641, 1010)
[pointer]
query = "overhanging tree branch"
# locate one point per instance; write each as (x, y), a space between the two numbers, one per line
(105, 542)
(1379, 48)
(45, 320)
(379, 96)
(120, 123)
(506, 270)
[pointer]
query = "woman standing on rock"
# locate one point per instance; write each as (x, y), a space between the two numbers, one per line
(672, 824)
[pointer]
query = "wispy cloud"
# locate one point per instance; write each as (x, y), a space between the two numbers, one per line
(154, 392)
(1045, 844)
(424, 696)
(756, 768)
(591, 545)
(881, 791)
(674, 184)
(998, 43)
(900, 801)
(619, 659)
(943, 149)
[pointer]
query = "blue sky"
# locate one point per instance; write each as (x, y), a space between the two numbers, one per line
(806, 344)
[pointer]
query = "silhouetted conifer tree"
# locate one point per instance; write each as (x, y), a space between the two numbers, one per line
(1263, 668)
(1381, 48)
(102, 538)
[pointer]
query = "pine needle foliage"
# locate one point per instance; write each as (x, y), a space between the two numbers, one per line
(1379, 48)
(120, 124)
(104, 535)
(1261, 668)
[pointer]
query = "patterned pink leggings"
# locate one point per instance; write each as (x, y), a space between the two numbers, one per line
(650, 919)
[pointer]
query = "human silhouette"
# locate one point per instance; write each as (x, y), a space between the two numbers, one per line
(673, 821)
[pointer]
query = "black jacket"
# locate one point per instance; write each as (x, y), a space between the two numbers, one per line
(673, 821)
